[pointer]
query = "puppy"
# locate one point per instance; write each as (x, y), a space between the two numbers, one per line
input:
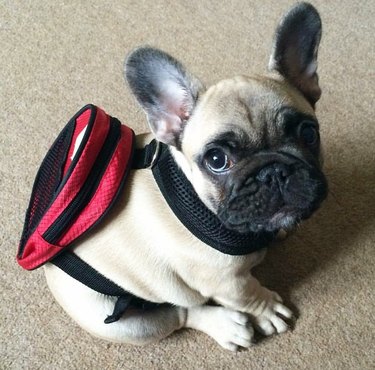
(249, 147)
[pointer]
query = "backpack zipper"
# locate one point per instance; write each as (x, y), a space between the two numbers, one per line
(54, 233)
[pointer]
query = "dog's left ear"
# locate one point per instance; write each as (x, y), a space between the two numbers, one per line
(295, 49)
(164, 89)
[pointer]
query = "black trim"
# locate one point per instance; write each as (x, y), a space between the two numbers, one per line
(82, 145)
(116, 196)
(31, 221)
(65, 219)
(106, 211)
(30, 225)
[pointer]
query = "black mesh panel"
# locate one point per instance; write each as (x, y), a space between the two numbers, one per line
(46, 182)
(185, 203)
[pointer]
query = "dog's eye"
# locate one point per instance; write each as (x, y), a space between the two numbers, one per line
(217, 161)
(309, 134)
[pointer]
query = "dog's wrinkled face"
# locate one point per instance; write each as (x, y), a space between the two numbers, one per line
(255, 161)
(250, 146)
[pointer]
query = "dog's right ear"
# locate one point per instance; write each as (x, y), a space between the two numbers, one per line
(295, 49)
(164, 89)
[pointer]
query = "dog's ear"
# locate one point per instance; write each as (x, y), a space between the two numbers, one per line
(165, 90)
(295, 49)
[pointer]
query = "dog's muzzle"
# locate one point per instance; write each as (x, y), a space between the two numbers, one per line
(278, 194)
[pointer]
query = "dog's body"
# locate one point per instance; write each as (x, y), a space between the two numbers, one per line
(244, 138)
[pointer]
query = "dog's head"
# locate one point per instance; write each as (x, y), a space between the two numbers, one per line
(250, 146)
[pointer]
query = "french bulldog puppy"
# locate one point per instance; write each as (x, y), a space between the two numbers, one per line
(250, 147)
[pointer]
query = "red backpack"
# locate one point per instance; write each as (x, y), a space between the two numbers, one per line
(77, 183)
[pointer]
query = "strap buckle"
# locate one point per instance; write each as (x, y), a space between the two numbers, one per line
(147, 157)
(156, 154)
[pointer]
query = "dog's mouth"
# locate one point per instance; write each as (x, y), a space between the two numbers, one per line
(276, 197)
(285, 218)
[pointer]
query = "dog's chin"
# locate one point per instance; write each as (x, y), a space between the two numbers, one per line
(284, 218)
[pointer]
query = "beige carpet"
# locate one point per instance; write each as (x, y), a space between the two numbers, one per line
(56, 56)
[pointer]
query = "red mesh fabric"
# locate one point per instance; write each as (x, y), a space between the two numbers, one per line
(59, 180)
(106, 190)
(80, 171)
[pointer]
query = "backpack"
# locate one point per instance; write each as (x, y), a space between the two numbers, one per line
(77, 183)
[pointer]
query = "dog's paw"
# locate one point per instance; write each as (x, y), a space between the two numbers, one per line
(234, 329)
(271, 318)
(231, 329)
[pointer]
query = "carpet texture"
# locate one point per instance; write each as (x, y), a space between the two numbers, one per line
(57, 56)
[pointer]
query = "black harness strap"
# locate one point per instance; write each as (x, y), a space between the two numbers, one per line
(196, 217)
(78, 269)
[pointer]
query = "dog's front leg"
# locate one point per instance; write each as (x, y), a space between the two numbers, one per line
(265, 307)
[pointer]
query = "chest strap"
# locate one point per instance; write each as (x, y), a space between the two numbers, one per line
(190, 210)
(78, 269)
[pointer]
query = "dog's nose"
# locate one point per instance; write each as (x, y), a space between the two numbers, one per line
(276, 172)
